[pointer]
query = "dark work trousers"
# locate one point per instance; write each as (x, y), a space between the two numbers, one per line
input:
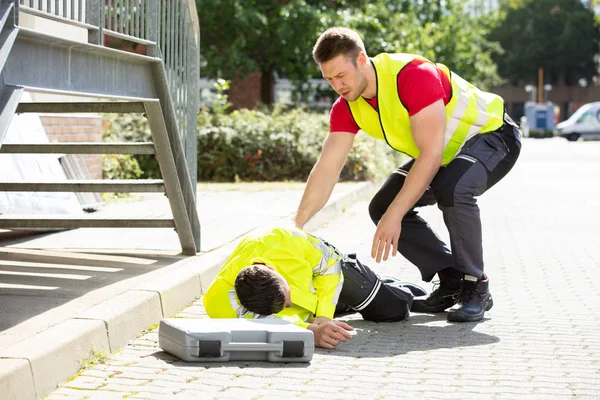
(481, 163)
(364, 292)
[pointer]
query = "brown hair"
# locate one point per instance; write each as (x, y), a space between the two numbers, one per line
(260, 290)
(336, 41)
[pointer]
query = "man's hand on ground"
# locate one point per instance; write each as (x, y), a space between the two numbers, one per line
(329, 333)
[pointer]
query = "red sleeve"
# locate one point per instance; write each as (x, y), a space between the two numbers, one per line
(421, 84)
(341, 119)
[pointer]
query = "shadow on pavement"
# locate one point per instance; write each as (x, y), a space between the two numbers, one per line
(176, 362)
(8, 237)
(38, 286)
(420, 332)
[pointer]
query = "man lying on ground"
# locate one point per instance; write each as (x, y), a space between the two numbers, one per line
(293, 275)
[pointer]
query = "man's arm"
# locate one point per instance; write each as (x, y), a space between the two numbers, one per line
(427, 127)
(324, 175)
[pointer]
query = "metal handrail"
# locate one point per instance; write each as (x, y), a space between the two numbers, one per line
(196, 24)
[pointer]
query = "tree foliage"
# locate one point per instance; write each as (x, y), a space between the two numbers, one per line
(272, 36)
(443, 31)
(277, 36)
(560, 36)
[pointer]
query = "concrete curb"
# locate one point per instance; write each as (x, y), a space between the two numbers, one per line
(34, 367)
(54, 355)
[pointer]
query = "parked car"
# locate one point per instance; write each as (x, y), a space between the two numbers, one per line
(584, 123)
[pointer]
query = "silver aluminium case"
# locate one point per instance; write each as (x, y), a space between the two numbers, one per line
(235, 339)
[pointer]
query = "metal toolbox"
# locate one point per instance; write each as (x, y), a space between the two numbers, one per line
(235, 339)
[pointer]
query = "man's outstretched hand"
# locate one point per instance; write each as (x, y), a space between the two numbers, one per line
(329, 333)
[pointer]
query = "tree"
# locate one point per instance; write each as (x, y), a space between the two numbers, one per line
(272, 36)
(560, 36)
(277, 36)
(441, 30)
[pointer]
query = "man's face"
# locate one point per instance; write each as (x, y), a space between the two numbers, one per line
(288, 297)
(345, 77)
(286, 288)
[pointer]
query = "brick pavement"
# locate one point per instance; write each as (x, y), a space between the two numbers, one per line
(540, 341)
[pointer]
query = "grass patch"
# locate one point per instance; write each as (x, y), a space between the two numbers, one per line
(95, 357)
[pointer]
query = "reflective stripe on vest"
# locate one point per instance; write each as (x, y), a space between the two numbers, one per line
(323, 268)
(470, 111)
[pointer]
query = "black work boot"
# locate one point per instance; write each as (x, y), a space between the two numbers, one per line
(475, 300)
(443, 297)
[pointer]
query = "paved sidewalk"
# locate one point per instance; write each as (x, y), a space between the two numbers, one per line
(540, 341)
(68, 293)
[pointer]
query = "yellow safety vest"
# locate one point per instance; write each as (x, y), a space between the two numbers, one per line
(470, 111)
(311, 268)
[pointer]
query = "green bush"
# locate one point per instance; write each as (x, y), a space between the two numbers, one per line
(128, 128)
(540, 134)
(277, 145)
(265, 144)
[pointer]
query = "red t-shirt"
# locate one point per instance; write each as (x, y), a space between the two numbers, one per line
(420, 84)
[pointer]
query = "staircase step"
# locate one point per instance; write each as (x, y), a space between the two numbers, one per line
(7, 39)
(79, 148)
(98, 186)
(28, 221)
(5, 10)
(52, 17)
(120, 107)
(9, 100)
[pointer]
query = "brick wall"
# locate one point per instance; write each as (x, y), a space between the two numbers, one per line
(75, 128)
(245, 93)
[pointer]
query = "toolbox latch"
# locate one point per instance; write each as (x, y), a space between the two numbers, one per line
(209, 348)
(293, 348)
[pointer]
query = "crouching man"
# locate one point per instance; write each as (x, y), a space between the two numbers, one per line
(290, 274)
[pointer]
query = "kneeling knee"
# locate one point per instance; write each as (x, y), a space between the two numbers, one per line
(376, 210)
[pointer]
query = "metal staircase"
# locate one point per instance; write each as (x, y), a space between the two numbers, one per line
(159, 80)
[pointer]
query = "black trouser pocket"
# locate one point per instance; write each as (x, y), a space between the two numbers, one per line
(488, 148)
(359, 281)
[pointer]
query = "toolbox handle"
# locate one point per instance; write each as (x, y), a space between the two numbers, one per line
(252, 346)
(215, 348)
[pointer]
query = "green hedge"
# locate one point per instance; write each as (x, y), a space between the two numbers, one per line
(540, 134)
(128, 128)
(277, 145)
(252, 145)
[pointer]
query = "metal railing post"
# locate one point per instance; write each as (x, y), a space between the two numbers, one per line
(94, 15)
(193, 105)
(152, 25)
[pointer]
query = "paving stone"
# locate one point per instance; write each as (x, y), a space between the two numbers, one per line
(541, 340)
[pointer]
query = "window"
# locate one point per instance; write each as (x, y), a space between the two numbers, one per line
(585, 117)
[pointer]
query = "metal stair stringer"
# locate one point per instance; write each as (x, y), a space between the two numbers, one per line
(8, 34)
(9, 94)
(9, 101)
(184, 170)
(178, 185)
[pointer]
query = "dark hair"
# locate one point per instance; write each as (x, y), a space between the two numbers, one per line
(260, 290)
(336, 41)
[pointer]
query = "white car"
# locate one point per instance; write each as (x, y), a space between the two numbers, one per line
(584, 123)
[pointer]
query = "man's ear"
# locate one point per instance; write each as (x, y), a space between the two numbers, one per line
(361, 59)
